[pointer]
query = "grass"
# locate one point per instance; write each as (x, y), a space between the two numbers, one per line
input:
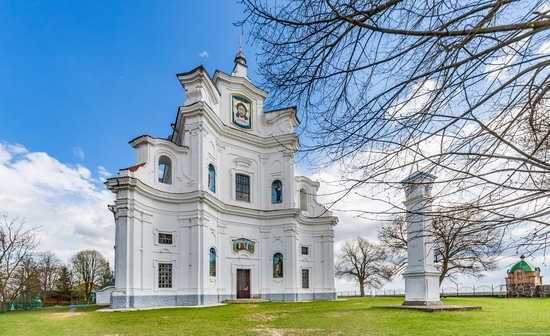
(354, 316)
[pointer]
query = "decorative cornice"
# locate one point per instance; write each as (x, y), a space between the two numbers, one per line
(419, 177)
(222, 76)
(117, 184)
(307, 181)
(242, 162)
(158, 141)
(289, 140)
(200, 73)
(274, 116)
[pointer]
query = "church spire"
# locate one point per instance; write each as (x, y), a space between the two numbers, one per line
(240, 67)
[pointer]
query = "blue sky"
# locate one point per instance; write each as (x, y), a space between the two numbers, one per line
(81, 79)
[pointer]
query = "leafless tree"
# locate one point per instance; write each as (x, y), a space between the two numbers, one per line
(48, 272)
(458, 88)
(89, 267)
(17, 243)
(462, 246)
(26, 285)
(364, 262)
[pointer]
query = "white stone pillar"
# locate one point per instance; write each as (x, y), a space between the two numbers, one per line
(421, 277)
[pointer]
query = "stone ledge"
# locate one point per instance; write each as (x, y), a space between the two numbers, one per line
(246, 301)
(111, 310)
(433, 309)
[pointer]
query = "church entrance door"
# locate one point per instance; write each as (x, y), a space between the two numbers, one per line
(243, 284)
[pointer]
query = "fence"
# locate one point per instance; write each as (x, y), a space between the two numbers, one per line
(17, 305)
(381, 292)
(482, 290)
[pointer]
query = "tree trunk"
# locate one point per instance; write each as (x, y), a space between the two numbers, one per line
(88, 292)
(443, 273)
(361, 288)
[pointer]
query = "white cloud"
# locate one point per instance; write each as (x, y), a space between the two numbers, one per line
(500, 68)
(103, 172)
(417, 100)
(79, 153)
(544, 49)
(67, 202)
(544, 8)
(204, 54)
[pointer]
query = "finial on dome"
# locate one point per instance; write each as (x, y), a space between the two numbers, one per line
(241, 43)
(240, 62)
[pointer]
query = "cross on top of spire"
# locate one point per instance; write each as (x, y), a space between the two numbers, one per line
(241, 43)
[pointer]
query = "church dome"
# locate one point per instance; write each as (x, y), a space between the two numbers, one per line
(239, 58)
(524, 265)
(239, 69)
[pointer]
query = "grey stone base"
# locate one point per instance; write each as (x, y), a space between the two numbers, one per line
(142, 301)
(246, 301)
(422, 303)
(435, 308)
(292, 297)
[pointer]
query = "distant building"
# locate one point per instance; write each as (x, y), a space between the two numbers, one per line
(524, 280)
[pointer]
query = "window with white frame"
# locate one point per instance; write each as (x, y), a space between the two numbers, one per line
(276, 192)
(305, 278)
(165, 170)
(165, 238)
(305, 250)
(211, 178)
(242, 187)
(165, 275)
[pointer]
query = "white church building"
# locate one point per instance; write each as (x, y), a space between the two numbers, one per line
(215, 211)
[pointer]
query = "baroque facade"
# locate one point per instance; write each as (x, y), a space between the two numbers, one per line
(215, 211)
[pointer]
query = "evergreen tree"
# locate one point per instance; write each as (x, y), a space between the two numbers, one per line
(65, 283)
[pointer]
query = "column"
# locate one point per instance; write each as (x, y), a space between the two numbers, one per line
(421, 276)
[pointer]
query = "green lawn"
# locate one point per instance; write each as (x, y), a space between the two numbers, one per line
(354, 316)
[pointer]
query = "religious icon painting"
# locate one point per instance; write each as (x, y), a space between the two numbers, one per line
(243, 244)
(241, 111)
(212, 262)
(277, 265)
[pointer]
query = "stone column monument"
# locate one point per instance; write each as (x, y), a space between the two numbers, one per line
(421, 277)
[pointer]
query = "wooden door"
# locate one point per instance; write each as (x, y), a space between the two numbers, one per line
(243, 284)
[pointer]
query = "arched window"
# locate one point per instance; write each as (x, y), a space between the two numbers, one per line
(276, 192)
(165, 170)
(303, 199)
(211, 178)
(212, 262)
(277, 265)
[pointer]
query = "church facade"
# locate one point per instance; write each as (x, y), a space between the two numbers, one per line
(215, 211)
